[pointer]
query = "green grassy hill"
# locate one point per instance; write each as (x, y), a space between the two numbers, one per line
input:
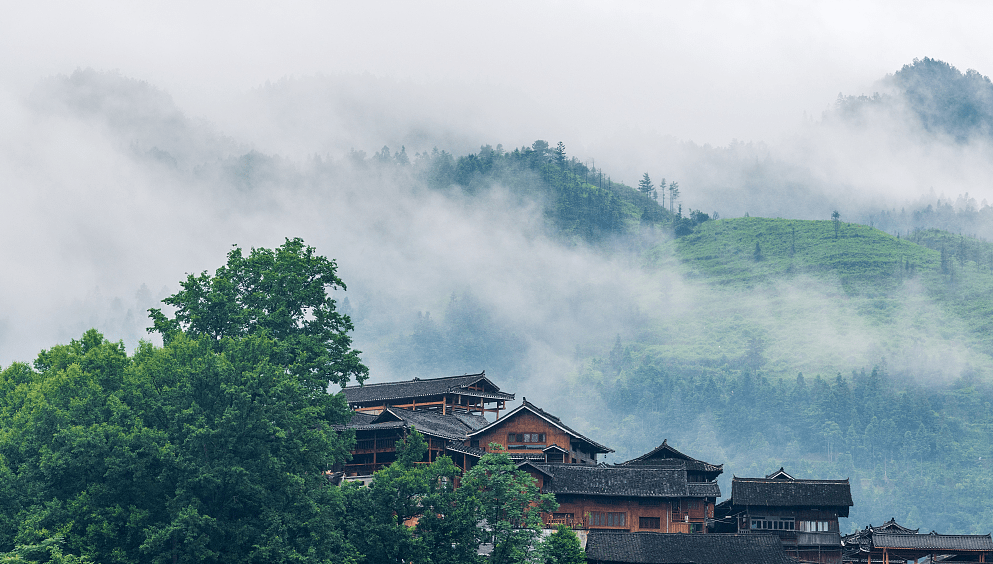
(937, 282)
(854, 353)
(789, 296)
(752, 250)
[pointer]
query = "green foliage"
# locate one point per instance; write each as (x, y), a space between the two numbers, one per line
(176, 453)
(871, 266)
(496, 502)
(510, 503)
(645, 186)
(380, 516)
(941, 98)
(579, 201)
(281, 293)
(211, 448)
(48, 551)
(562, 547)
(904, 447)
(860, 256)
(913, 435)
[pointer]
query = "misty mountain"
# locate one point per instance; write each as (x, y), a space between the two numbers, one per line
(135, 113)
(942, 99)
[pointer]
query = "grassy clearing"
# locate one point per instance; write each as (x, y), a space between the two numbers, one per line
(790, 296)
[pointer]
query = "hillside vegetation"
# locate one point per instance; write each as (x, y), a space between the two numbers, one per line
(834, 349)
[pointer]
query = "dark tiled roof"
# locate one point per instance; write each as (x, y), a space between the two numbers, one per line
(581, 479)
(703, 489)
(418, 388)
(892, 526)
(663, 548)
(863, 538)
(932, 541)
(359, 418)
(433, 423)
(372, 426)
(791, 493)
(471, 420)
(430, 423)
(462, 449)
(665, 455)
(526, 405)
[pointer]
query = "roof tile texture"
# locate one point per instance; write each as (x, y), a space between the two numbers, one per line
(662, 548)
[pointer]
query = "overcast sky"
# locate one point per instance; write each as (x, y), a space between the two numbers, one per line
(702, 71)
(86, 224)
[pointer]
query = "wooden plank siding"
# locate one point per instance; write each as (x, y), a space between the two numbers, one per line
(580, 512)
(527, 423)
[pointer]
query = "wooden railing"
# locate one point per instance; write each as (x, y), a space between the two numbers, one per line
(375, 444)
(573, 522)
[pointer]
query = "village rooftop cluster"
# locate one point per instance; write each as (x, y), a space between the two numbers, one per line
(628, 512)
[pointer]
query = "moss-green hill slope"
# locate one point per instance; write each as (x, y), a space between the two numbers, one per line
(749, 250)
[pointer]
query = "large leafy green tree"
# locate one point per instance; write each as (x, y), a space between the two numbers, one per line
(562, 547)
(412, 513)
(212, 448)
(510, 505)
(282, 293)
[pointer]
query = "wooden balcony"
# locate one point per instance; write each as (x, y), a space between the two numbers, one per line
(381, 445)
(826, 538)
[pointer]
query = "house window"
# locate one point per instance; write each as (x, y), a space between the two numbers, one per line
(693, 504)
(815, 526)
(649, 523)
(774, 523)
(526, 438)
(474, 443)
(608, 519)
(696, 527)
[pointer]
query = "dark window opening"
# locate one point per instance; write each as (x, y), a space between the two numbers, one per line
(649, 523)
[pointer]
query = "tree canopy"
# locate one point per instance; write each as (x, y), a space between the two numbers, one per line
(211, 448)
(281, 293)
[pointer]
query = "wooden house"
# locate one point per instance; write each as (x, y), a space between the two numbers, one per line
(893, 548)
(610, 547)
(376, 437)
(892, 542)
(802, 513)
(457, 429)
(663, 491)
(469, 393)
(531, 433)
(857, 546)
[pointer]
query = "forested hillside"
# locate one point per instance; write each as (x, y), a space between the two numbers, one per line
(769, 389)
